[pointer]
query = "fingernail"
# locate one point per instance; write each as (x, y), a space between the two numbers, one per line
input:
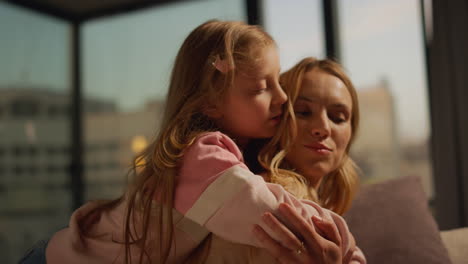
(258, 235)
(283, 207)
(317, 218)
(256, 229)
(266, 216)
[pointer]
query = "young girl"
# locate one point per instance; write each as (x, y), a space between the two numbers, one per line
(223, 92)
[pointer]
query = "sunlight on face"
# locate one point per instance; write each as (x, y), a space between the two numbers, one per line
(252, 107)
(323, 111)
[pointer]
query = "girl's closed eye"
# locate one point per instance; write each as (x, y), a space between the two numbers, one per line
(260, 90)
(260, 87)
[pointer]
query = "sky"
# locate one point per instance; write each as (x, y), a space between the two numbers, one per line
(380, 40)
(128, 58)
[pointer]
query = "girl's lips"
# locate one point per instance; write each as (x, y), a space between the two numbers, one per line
(276, 119)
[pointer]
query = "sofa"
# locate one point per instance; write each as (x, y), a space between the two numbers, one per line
(392, 223)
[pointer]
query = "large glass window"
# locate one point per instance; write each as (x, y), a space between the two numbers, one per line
(34, 76)
(297, 27)
(383, 50)
(127, 63)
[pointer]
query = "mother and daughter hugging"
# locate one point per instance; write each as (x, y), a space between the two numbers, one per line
(250, 165)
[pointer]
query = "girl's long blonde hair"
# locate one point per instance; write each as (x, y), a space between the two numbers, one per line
(195, 84)
(336, 189)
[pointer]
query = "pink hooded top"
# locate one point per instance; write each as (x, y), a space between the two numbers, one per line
(215, 192)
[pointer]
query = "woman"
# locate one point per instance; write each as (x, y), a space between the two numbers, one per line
(311, 161)
(326, 113)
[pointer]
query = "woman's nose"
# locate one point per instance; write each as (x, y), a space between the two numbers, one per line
(320, 127)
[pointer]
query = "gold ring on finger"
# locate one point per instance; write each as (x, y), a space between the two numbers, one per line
(300, 249)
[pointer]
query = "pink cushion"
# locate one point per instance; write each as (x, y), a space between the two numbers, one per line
(392, 224)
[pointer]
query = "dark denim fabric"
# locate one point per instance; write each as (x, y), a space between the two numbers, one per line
(36, 254)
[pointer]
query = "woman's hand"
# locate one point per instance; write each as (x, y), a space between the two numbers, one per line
(321, 243)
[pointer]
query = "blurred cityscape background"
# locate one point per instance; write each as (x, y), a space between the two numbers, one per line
(126, 61)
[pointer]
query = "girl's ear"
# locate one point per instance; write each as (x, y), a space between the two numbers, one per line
(212, 111)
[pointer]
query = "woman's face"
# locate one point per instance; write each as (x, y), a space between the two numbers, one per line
(323, 112)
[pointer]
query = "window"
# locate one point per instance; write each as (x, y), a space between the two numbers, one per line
(18, 170)
(297, 27)
(112, 146)
(24, 108)
(17, 151)
(52, 169)
(53, 111)
(5, 250)
(51, 150)
(383, 50)
(2, 169)
(32, 151)
(34, 69)
(127, 61)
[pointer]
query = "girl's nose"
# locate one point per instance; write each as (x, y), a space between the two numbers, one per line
(279, 97)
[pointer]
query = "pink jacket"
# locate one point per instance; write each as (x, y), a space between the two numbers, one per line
(215, 193)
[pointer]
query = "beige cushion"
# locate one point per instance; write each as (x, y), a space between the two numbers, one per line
(456, 241)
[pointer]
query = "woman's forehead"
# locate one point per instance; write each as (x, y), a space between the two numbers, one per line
(322, 87)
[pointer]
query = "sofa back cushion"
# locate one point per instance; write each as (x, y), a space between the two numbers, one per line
(392, 224)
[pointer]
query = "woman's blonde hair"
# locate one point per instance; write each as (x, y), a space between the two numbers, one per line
(336, 190)
(195, 83)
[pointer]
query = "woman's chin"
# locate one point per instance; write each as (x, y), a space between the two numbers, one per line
(315, 175)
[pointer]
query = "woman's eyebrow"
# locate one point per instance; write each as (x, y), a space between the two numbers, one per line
(313, 100)
(340, 105)
(308, 99)
(345, 109)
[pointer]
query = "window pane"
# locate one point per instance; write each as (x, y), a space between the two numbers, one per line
(34, 66)
(297, 27)
(127, 63)
(383, 49)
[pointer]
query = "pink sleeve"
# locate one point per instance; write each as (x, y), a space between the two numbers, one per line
(204, 161)
(216, 190)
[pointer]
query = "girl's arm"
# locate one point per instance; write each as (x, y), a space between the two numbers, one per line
(216, 190)
(320, 242)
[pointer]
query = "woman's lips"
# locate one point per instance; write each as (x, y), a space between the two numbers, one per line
(319, 148)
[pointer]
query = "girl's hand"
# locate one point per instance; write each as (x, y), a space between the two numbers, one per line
(319, 246)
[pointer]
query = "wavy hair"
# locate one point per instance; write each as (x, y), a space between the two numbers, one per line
(195, 82)
(336, 190)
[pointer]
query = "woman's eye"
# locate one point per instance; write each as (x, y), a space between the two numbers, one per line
(338, 119)
(302, 113)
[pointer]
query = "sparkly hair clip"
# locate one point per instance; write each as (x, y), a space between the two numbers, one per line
(221, 65)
